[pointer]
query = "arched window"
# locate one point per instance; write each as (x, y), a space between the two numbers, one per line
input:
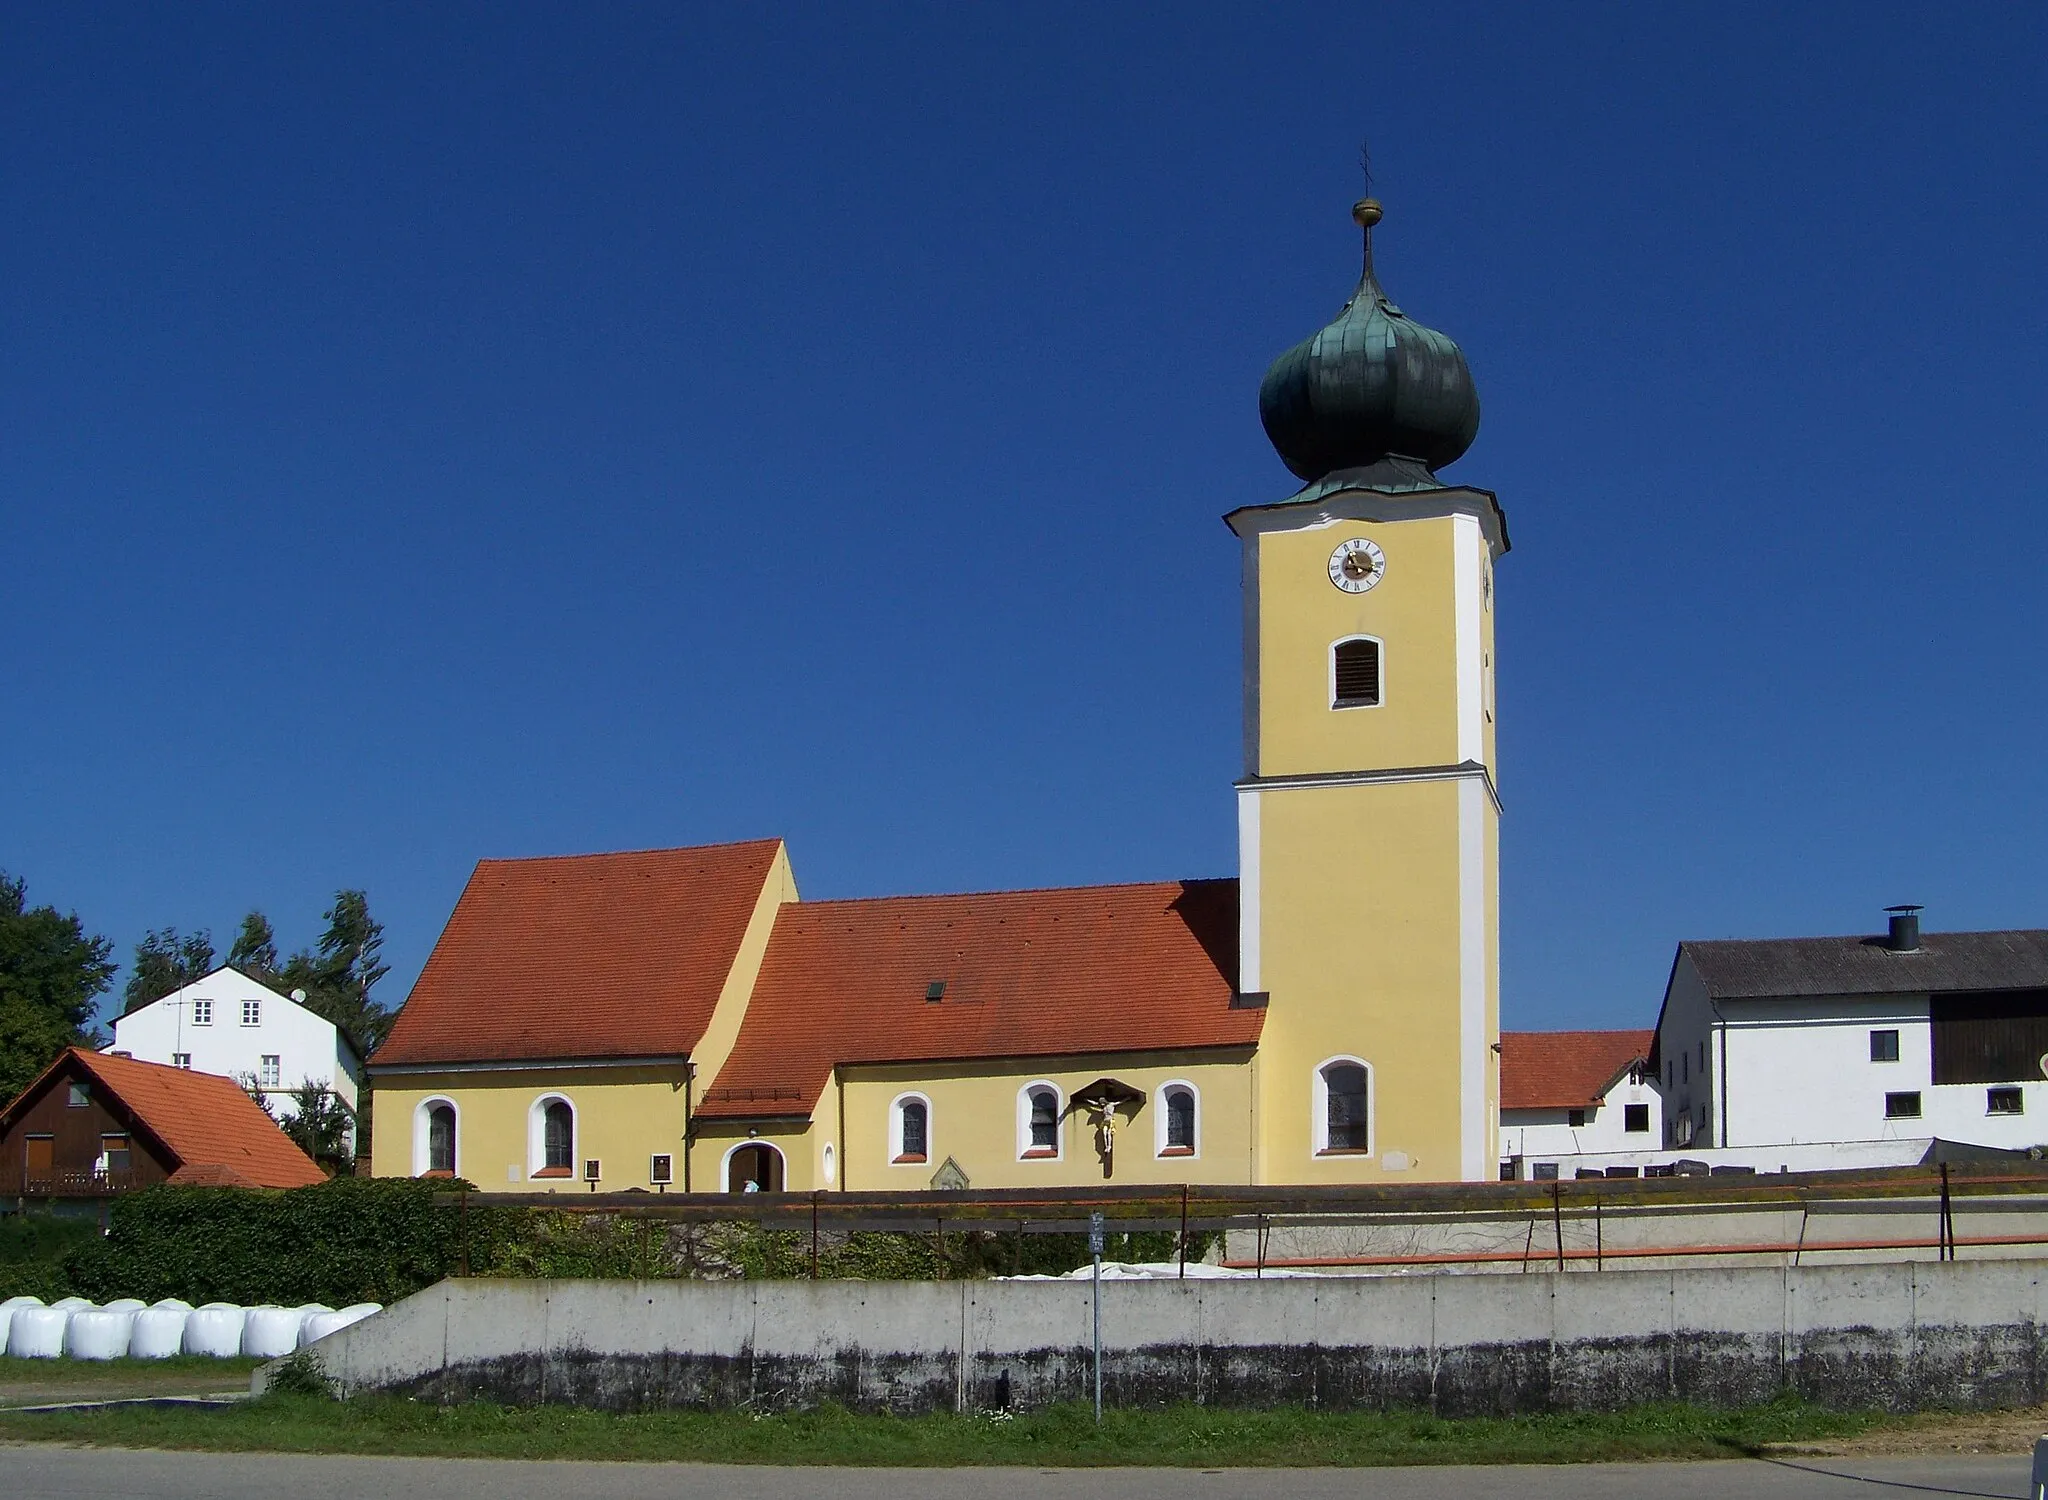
(441, 1139)
(436, 1129)
(910, 1129)
(1176, 1119)
(1346, 1105)
(559, 1137)
(551, 1137)
(1355, 673)
(755, 1167)
(1038, 1120)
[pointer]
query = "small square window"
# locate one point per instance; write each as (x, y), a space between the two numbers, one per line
(1905, 1106)
(202, 1012)
(2007, 1101)
(181, 1059)
(268, 1076)
(1884, 1046)
(1575, 1118)
(1635, 1118)
(79, 1097)
(252, 1012)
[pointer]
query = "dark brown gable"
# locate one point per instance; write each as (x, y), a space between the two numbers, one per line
(1998, 1036)
(49, 1145)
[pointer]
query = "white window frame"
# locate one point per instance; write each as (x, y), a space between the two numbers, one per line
(537, 1137)
(1025, 1150)
(202, 1011)
(911, 1096)
(270, 1070)
(1331, 697)
(1319, 1107)
(252, 1012)
(1159, 1148)
(182, 1060)
(422, 1134)
(828, 1160)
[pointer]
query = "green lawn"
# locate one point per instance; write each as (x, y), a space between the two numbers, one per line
(1186, 1436)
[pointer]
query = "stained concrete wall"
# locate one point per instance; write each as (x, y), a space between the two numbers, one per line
(1899, 1336)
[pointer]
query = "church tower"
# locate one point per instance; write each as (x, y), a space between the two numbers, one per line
(1368, 815)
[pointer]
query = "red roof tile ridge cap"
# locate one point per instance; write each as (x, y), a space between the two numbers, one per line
(537, 859)
(1028, 890)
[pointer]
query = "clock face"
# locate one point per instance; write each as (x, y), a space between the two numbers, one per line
(1357, 565)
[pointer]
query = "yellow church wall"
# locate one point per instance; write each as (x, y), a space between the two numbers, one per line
(803, 1145)
(624, 1116)
(1301, 615)
(723, 1029)
(974, 1119)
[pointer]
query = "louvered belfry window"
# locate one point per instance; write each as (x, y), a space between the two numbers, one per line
(1357, 674)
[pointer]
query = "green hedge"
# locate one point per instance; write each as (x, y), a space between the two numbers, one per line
(354, 1239)
(360, 1239)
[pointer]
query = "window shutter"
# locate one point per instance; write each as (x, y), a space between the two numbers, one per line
(1358, 674)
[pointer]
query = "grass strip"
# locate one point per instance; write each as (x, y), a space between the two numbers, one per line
(1061, 1436)
(179, 1368)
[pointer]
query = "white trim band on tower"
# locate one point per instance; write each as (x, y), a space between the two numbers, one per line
(1248, 964)
(1466, 545)
(1475, 1146)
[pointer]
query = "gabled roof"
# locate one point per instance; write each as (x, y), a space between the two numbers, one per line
(1791, 968)
(228, 981)
(203, 1120)
(582, 956)
(1565, 1069)
(1116, 968)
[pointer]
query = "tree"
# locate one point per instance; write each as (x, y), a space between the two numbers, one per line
(164, 963)
(255, 949)
(320, 1126)
(50, 975)
(338, 977)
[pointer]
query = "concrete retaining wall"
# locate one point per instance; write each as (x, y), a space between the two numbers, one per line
(1900, 1336)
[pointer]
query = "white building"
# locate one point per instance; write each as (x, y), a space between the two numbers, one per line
(1851, 1041)
(1569, 1095)
(228, 1023)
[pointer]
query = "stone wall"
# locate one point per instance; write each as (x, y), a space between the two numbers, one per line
(1902, 1336)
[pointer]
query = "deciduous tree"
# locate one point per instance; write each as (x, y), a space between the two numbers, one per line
(166, 962)
(50, 974)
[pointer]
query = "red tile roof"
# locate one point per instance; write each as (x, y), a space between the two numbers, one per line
(1564, 1069)
(205, 1120)
(592, 955)
(1045, 973)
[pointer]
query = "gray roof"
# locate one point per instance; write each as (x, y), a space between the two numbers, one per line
(1769, 968)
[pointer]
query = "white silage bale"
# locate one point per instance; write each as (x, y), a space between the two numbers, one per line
(159, 1332)
(178, 1303)
(7, 1315)
(126, 1304)
(98, 1333)
(271, 1332)
(71, 1304)
(37, 1332)
(320, 1324)
(307, 1312)
(215, 1329)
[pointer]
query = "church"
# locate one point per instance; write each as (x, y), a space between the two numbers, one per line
(680, 1019)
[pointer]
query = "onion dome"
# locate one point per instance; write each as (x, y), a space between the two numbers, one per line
(1374, 385)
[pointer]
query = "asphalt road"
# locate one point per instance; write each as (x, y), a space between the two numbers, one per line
(36, 1472)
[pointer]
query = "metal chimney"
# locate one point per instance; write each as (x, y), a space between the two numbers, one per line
(1904, 936)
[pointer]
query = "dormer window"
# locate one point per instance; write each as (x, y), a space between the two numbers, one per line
(1355, 673)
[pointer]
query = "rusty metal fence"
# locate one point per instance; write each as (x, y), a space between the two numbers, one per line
(1594, 1224)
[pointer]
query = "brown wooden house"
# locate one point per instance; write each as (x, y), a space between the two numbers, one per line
(94, 1124)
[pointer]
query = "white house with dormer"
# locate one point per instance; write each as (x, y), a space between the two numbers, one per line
(227, 1023)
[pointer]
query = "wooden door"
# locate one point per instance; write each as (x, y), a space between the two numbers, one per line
(40, 1165)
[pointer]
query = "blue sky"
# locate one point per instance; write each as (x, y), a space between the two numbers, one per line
(438, 433)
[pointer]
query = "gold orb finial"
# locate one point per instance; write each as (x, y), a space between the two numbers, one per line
(1366, 212)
